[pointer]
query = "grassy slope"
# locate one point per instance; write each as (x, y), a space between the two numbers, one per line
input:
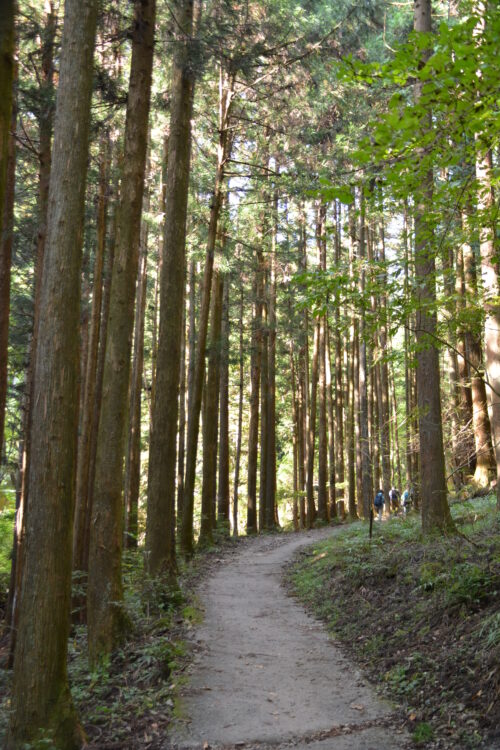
(423, 617)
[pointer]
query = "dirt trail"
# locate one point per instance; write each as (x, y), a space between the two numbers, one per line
(266, 673)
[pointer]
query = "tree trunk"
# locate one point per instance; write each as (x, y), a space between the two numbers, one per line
(41, 700)
(133, 458)
(295, 440)
(255, 372)
(105, 614)
(160, 527)
(45, 123)
(332, 491)
(435, 510)
(181, 438)
(237, 456)
(311, 433)
(385, 412)
(223, 153)
(264, 412)
(87, 425)
(8, 119)
(271, 506)
(223, 492)
(491, 289)
(210, 414)
(485, 461)
(322, 410)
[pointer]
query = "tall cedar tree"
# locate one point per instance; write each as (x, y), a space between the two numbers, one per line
(435, 511)
(6, 97)
(106, 621)
(41, 700)
(226, 92)
(160, 528)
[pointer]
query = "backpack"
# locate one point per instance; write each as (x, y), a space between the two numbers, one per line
(379, 500)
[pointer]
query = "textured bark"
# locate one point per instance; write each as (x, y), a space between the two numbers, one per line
(385, 412)
(6, 241)
(181, 439)
(45, 124)
(339, 381)
(87, 425)
(302, 436)
(271, 505)
(253, 429)
(311, 431)
(223, 153)
(351, 459)
(192, 333)
(99, 378)
(210, 414)
(485, 462)
(364, 443)
(105, 613)
(435, 511)
(41, 700)
(6, 92)
(332, 493)
(237, 457)
(8, 117)
(407, 360)
(322, 411)
(223, 488)
(395, 422)
(133, 458)
(160, 528)
(491, 290)
(264, 396)
(295, 439)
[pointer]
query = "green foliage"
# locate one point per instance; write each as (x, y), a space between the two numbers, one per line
(423, 733)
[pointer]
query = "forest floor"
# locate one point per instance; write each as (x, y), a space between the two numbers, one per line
(232, 661)
(420, 616)
(265, 674)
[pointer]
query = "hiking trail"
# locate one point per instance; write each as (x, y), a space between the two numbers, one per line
(265, 673)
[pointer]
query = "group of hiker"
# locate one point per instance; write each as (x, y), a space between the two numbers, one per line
(395, 501)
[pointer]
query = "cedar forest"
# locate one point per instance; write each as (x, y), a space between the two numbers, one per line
(249, 276)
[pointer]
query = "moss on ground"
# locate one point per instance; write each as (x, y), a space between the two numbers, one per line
(422, 616)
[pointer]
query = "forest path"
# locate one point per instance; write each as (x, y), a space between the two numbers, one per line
(266, 675)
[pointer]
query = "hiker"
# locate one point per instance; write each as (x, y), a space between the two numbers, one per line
(379, 503)
(394, 498)
(407, 500)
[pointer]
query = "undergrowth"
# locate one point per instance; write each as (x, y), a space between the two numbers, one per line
(128, 703)
(422, 616)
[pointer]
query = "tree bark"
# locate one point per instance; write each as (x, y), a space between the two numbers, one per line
(106, 617)
(264, 410)
(311, 432)
(223, 153)
(210, 415)
(237, 457)
(87, 425)
(435, 511)
(41, 700)
(332, 491)
(485, 462)
(8, 119)
(491, 290)
(223, 490)
(255, 371)
(322, 410)
(160, 527)
(133, 458)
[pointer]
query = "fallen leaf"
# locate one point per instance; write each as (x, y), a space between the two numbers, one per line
(357, 706)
